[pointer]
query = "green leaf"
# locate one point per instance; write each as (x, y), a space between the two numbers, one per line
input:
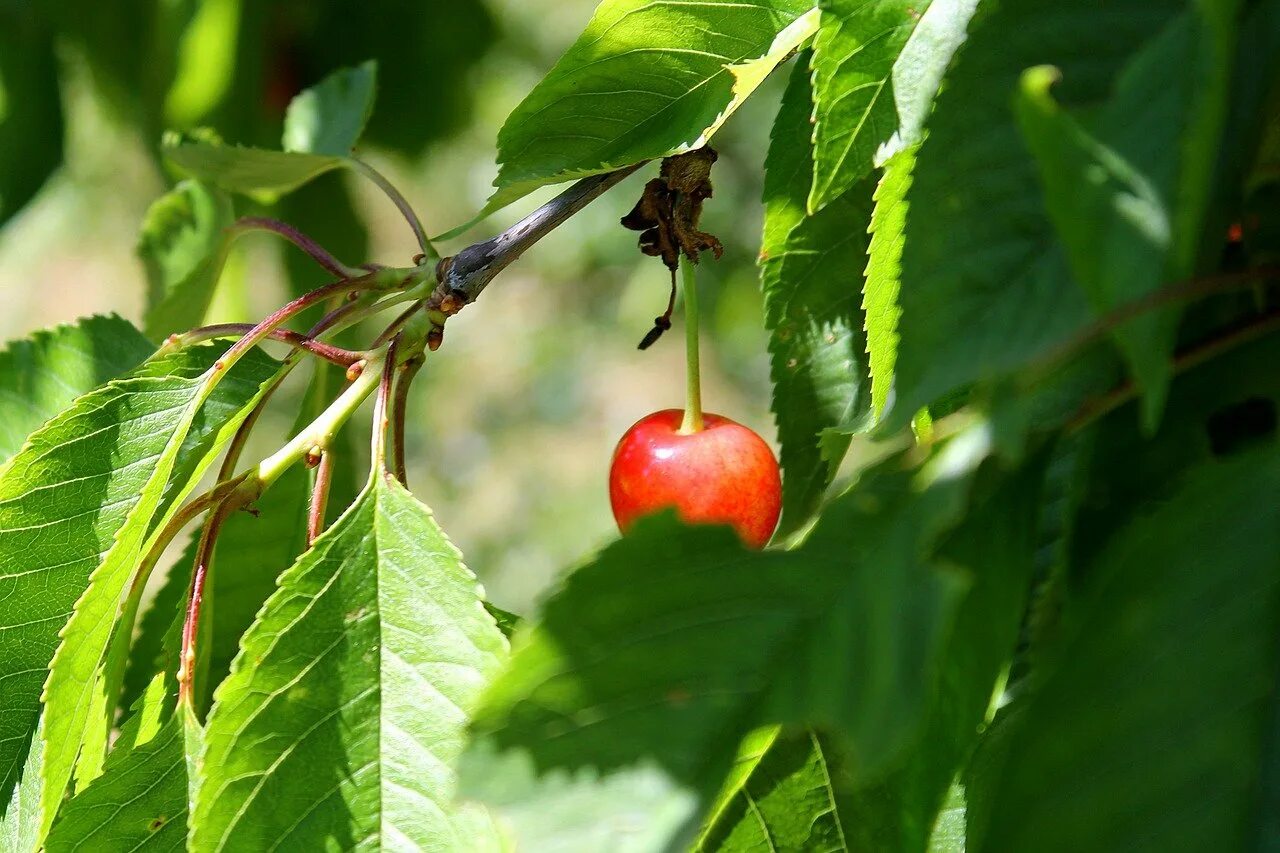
(810, 282)
(322, 124)
(884, 267)
(920, 68)
(20, 823)
(647, 78)
(75, 506)
(1157, 727)
(183, 246)
(506, 621)
(853, 58)
(902, 810)
(151, 652)
(949, 830)
(138, 803)
(329, 117)
(252, 551)
(1126, 187)
(787, 801)
(256, 172)
(877, 67)
(654, 659)
(30, 106)
(985, 285)
(40, 376)
(348, 701)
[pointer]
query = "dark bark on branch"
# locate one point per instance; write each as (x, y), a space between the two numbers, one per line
(465, 275)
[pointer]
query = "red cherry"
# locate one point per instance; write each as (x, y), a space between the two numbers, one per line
(724, 473)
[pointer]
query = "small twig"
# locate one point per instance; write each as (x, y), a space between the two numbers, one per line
(1128, 390)
(398, 199)
(463, 276)
(328, 352)
(399, 408)
(319, 497)
(319, 433)
(297, 238)
(1181, 292)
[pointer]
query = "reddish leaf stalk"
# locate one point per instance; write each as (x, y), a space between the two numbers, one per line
(1188, 360)
(297, 238)
(319, 497)
(263, 330)
(195, 595)
(236, 448)
(328, 352)
(382, 406)
(1186, 291)
(399, 408)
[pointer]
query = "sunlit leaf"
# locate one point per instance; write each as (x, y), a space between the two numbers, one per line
(877, 67)
(810, 275)
(40, 376)
(348, 701)
(76, 503)
(785, 802)
(647, 78)
(140, 800)
(329, 117)
(884, 268)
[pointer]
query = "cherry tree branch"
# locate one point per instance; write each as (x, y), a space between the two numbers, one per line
(465, 275)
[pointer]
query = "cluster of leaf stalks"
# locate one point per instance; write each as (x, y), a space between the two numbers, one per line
(429, 291)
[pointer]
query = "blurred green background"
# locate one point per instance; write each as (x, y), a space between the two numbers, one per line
(514, 420)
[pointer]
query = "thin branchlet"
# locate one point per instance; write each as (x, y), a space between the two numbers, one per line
(463, 276)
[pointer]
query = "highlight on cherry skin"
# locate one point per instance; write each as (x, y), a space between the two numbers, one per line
(722, 474)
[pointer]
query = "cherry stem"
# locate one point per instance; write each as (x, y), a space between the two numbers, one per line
(319, 497)
(328, 352)
(401, 203)
(317, 252)
(693, 391)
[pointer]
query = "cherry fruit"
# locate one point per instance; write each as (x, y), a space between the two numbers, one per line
(722, 473)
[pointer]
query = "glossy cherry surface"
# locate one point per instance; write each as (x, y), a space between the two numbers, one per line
(724, 473)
